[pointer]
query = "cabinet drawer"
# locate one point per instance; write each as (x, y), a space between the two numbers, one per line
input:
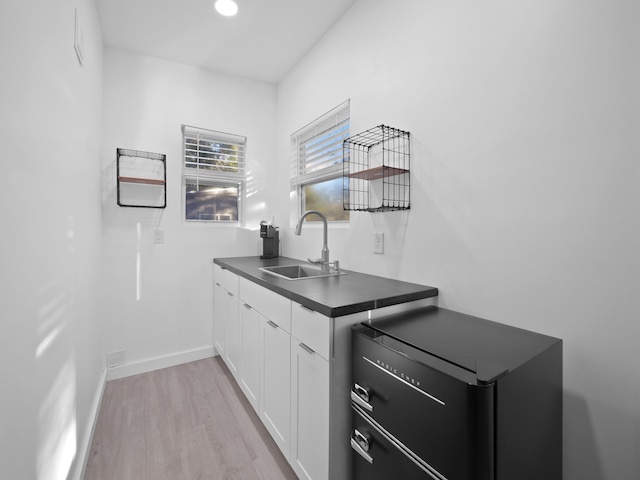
(311, 328)
(271, 305)
(230, 281)
(227, 279)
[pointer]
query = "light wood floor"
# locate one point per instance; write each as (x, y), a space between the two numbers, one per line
(185, 422)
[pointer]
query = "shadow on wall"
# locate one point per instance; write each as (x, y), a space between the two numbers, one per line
(579, 441)
(56, 378)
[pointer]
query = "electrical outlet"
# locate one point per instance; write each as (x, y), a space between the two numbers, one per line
(378, 242)
(158, 236)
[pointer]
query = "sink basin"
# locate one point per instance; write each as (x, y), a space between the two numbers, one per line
(299, 272)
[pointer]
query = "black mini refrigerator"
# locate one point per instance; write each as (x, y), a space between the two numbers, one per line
(441, 395)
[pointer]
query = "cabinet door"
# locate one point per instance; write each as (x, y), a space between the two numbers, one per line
(219, 314)
(275, 391)
(250, 354)
(232, 332)
(309, 412)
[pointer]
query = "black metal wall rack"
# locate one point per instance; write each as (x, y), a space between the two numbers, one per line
(141, 178)
(376, 170)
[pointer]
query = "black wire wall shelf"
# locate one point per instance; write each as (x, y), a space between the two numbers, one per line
(141, 178)
(376, 170)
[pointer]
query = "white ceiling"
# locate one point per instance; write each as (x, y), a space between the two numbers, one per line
(263, 42)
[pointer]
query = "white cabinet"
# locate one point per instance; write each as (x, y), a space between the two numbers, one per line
(226, 319)
(275, 397)
(271, 305)
(294, 366)
(250, 354)
(219, 311)
(310, 387)
(310, 392)
(311, 328)
(266, 377)
(232, 336)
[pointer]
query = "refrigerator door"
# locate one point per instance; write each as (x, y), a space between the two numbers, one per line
(441, 417)
(379, 456)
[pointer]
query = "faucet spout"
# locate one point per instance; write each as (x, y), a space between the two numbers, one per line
(324, 261)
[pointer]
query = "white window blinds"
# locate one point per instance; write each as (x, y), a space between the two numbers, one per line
(208, 153)
(316, 150)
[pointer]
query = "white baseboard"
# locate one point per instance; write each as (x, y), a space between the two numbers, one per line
(85, 449)
(160, 362)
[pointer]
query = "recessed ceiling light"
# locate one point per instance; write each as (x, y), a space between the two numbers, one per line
(228, 8)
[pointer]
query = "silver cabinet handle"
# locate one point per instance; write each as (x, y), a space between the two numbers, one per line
(307, 349)
(272, 324)
(357, 398)
(230, 294)
(361, 445)
(247, 306)
(218, 284)
(306, 308)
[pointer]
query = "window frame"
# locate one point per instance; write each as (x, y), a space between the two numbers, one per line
(336, 122)
(207, 175)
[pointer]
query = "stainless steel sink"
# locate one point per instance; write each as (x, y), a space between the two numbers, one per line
(299, 272)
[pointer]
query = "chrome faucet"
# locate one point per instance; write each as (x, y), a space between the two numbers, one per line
(324, 261)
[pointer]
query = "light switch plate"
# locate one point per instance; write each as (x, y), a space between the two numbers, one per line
(378, 242)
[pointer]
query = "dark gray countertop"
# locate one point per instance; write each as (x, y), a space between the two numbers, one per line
(331, 296)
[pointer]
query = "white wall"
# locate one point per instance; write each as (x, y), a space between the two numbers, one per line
(524, 198)
(525, 186)
(51, 361)
(166, 309)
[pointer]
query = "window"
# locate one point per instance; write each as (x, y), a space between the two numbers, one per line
(213, 174)
(316, 165)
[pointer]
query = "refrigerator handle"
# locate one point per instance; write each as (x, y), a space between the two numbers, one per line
(360, 448)
(361, 445)
(360, 396)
